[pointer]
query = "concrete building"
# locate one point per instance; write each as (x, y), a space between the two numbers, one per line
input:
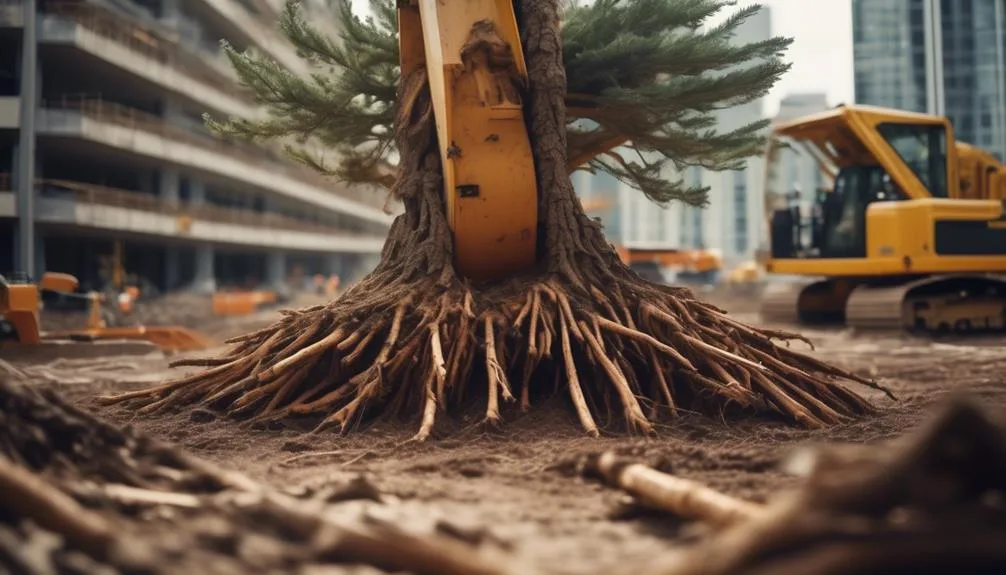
(122, 155)
(795, 169)
(936, 56)
(732, 222)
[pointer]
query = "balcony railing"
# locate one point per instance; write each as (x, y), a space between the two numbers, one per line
(111, 112)
(258, 33)
(146, 42)
(102, 196)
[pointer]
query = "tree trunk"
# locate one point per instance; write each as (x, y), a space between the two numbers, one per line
(570, 236)
(412, 337)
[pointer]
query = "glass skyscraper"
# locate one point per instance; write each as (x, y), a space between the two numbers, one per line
(935, 56)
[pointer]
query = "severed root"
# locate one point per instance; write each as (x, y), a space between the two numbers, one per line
(681, 497)
(928, 503)
(389, 548)
(498, 384)
(438, 373)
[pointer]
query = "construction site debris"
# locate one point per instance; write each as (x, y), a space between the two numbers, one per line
(932, 502)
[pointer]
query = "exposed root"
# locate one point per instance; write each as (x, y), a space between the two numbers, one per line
(346, 361)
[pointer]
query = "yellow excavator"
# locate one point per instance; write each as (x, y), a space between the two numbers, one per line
(908, 232)
(21, 335)
(490, 189)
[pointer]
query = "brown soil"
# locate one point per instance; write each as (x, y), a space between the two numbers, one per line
(517, 482)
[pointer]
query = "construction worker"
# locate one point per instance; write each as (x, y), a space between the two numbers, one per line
(125, 300)
(333, 284)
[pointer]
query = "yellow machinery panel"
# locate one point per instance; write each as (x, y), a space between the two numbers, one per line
(19, 306)
(918, 237)
(241, 303)
(490, 188)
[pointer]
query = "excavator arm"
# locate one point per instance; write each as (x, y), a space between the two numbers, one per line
(472, 55)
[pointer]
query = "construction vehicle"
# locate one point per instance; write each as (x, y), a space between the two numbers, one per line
(689, 266)
(21, 333)
(241, 303)
(490, 187)
(908, 232)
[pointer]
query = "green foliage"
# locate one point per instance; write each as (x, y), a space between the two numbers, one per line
(642, 73)
(345, 104)
(645, 70)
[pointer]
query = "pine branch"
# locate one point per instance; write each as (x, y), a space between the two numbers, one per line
(649, 178)
(347, 102)
(644, 72)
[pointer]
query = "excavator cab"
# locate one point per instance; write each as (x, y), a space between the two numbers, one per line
(904, 216)
(836, 224)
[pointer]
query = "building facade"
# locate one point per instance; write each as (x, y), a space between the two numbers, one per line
(937, 56)
(731, 224)
(794, 169)
(123, 160)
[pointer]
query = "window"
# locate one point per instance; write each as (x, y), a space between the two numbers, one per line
(923, 148)
(684, 237)
(740, 212)
(698, 233)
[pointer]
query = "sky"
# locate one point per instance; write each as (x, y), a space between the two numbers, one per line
(821, 53)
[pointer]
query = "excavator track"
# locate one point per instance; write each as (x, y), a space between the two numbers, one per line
(878, 307)
(780, 302)
(957, 303)
(818, 301)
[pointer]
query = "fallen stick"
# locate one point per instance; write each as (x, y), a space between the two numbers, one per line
(682, 497)
(128, 495)
(389, 548)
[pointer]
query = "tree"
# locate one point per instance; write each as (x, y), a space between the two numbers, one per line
(414, 337)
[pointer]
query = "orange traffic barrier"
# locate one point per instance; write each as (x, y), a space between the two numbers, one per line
(241, 303)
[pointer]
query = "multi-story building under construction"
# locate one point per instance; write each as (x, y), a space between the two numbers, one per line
(122, 162)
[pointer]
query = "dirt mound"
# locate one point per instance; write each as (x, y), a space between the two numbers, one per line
(83, 496)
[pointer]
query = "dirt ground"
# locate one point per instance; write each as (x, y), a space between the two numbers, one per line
(516, 483)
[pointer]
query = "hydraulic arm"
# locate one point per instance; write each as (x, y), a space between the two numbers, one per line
(474, 61)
